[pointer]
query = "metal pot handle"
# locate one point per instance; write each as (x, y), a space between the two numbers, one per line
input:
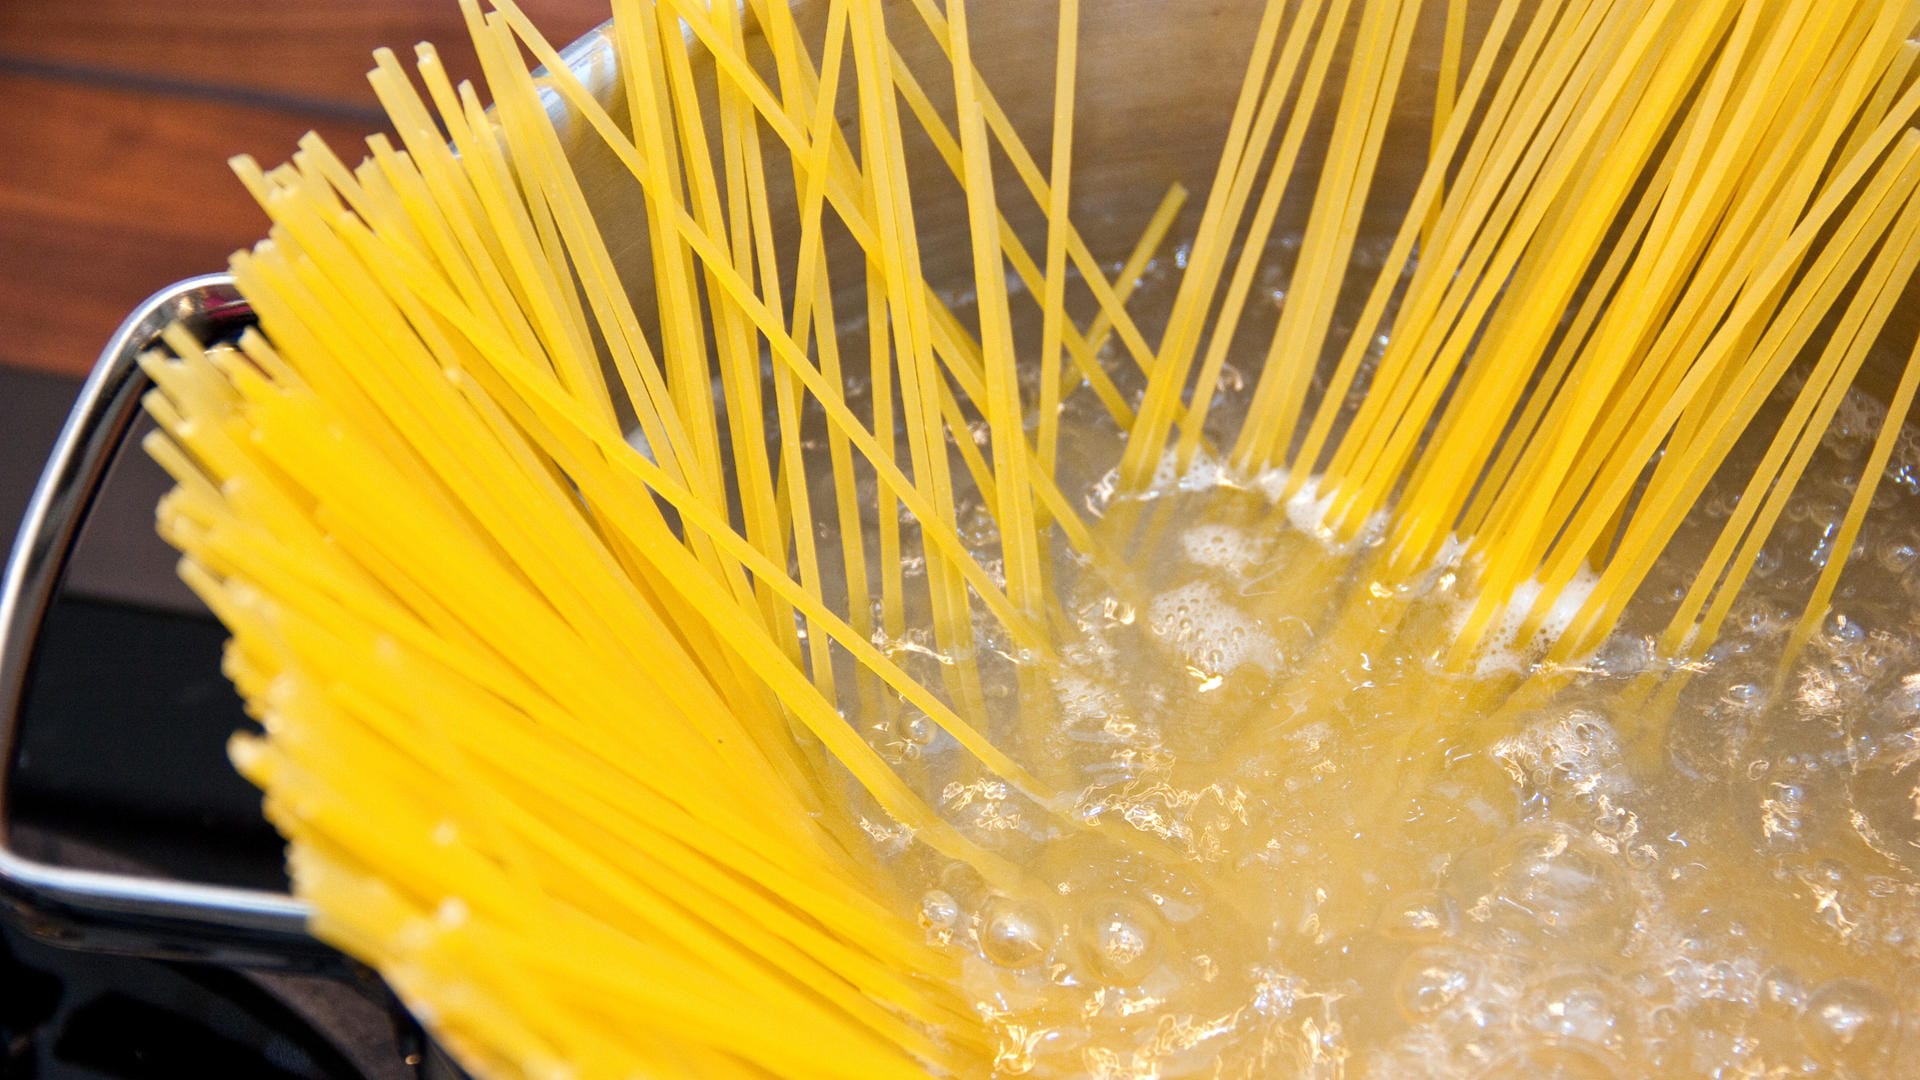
(85, 908)
(118, 912)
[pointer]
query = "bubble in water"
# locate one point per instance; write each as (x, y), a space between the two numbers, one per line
(1846, 1023)
(1585, 1006)
(1557, 884)
(1898, 556)
(1434, 980)
(1121, 938)
(1575, 751)
(918, 730)
(1782, 992)
(1885, 793)
(939, 914)
(1783, 815)
(1425, 916)
(1013, 934)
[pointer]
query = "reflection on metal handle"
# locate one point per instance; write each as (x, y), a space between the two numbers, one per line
(84, 908)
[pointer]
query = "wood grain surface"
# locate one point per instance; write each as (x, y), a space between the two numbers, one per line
(118, 117)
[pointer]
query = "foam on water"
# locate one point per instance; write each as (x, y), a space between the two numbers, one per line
(1504, 648)
(1213, 636)
(1223, 547)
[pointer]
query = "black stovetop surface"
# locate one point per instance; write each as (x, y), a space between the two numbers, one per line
(66, 1015)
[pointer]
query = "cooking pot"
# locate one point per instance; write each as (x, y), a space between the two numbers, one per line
(1156, 87)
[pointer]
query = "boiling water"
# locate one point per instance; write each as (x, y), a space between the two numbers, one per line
(1292, 847)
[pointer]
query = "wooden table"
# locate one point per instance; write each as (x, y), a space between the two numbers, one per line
(117, 118)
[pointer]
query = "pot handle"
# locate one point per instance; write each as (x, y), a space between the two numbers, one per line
(90, 909)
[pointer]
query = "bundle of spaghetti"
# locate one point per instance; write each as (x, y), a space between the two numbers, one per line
(555, 583)
(477, 536)
(1634, 220)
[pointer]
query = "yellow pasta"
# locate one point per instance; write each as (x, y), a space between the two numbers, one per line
(599, 611)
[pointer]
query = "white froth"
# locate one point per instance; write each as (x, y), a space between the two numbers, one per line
(1083, 699)
(1307, 510)
(1501, 648)
(1210, 633)
(1224, 547)
(1204, 473)
(1273, 483)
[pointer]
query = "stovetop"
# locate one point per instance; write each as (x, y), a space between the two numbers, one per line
(66, 1015)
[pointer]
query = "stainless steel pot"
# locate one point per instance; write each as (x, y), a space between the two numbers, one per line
(1157, 85)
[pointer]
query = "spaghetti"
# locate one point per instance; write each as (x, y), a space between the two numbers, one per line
(571, 601)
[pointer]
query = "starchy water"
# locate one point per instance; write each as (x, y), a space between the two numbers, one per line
(1290, 845)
